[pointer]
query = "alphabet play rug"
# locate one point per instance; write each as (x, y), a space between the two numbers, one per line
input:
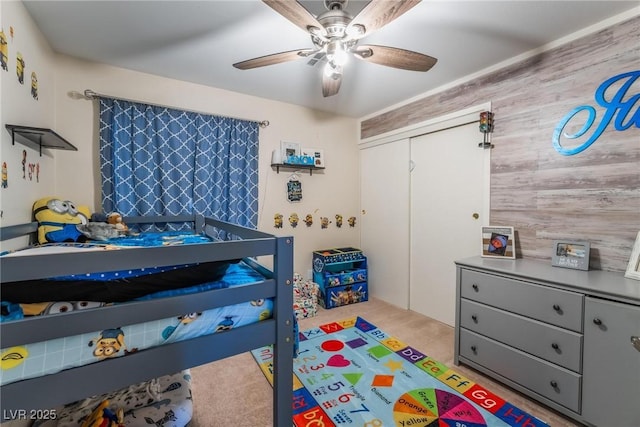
(351, 373)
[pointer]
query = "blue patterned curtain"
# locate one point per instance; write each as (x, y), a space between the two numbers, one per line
(161, 161)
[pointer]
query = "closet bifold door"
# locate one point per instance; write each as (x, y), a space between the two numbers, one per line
(384, 217)
(447, 212)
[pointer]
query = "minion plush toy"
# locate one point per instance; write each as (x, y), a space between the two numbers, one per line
(57, 220)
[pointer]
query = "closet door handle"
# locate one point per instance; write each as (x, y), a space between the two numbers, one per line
(597, 321)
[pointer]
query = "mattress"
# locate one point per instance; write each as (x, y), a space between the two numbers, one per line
(42, 358)
(115, 286)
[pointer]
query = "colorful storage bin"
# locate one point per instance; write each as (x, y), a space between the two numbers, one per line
(331, 256)
(337, 296)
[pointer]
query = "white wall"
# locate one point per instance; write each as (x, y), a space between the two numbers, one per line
(19, 107)
(333, 191)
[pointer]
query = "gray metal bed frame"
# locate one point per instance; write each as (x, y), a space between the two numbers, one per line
(112, 374)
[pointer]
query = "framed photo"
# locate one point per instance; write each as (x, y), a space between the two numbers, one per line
(289, 149)
(571, 254)
(498, 242)
(317, 154)
(633, 269)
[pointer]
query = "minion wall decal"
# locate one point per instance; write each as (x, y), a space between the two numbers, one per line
(20, 68)
(324, 222)
(24, 164)
(352, 221)
(11, 32)
(294, 219)
(308, 220)
(4, 51)
(338, 220)
(277, 220)
(5, 175)
(34, 85)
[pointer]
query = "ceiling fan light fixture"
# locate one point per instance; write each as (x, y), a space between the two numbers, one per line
(355, 30)
(336, 53)
(333, 71)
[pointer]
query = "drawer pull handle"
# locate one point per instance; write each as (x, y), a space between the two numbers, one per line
(475, 287)
(474, 317)
(597, 321)
(555, 346)
(556, 307)
(554, 384)
(474, 349)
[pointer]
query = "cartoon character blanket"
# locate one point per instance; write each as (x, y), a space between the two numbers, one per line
(37, 359)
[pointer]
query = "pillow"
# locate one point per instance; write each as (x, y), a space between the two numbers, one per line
(57, 220)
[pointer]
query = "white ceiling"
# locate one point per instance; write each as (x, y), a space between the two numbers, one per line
(198, 41)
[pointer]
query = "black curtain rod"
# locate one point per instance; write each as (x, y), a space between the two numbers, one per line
(89, 94)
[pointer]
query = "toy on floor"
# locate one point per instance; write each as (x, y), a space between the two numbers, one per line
(102, 416)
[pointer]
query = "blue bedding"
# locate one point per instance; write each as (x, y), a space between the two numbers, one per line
(118, 286)
(42, 358)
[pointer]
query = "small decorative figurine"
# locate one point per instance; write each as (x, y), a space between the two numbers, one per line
(352, 221)
(338, 220)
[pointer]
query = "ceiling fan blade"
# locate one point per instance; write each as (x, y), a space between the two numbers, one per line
(275, 58)
(331, 83)
(294, 12)
(377, 14)
(395, 57)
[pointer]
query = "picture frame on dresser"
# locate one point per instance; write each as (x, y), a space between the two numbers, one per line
(498, 242)
(633, 268)
(571, 254)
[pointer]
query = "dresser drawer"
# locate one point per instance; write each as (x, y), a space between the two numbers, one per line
(559, 346)
(553, 382)
(550, 305)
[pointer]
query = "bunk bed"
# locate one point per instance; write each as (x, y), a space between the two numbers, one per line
(110, 374)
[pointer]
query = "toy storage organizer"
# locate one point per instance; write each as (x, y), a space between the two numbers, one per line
(341, 275)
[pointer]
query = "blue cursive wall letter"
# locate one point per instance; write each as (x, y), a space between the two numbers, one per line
(617, 107)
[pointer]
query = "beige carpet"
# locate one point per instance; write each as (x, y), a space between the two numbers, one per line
(234, 392)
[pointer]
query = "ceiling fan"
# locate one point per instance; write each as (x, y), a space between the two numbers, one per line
(335, 34)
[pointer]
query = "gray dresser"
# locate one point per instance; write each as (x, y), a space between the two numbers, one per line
(567, 338)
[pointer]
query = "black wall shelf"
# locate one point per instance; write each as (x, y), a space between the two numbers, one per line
(38, 138)
(290, 166)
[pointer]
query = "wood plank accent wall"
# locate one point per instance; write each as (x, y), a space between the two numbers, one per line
(594, 195)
